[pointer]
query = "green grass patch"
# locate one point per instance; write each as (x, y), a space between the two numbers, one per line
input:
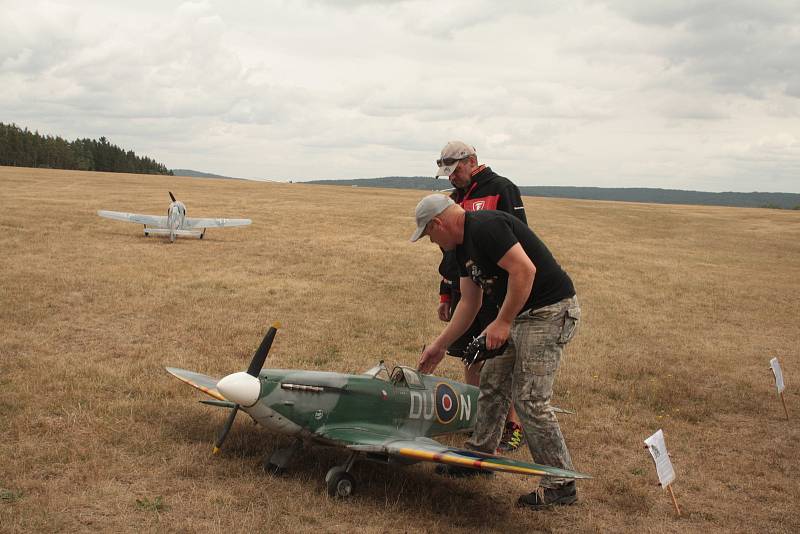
(7, 495)
(156, 505)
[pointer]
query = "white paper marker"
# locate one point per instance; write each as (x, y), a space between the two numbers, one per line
(666, 474)
(658, 449)
(776, 370)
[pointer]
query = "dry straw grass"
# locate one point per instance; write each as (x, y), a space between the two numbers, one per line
(684, 306)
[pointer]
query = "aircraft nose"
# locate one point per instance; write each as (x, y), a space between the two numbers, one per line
(241, 388)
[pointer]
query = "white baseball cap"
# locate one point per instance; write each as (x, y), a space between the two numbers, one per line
(428, 208)
(452, 153)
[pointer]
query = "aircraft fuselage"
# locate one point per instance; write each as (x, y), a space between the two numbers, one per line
(304, 402)
(176, 213)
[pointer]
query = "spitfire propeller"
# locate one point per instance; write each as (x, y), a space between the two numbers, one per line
(244, 388)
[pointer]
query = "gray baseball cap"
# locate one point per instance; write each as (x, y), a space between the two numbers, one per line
(428, 208)
(452, 153)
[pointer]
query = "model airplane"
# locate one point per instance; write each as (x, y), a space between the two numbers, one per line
(175, 223)
(378, 416)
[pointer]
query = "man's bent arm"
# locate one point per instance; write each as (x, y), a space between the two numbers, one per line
(521, 272)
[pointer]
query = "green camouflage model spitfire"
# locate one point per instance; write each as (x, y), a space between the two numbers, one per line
(377, 415)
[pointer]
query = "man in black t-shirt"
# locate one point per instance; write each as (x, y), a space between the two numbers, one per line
(501, 259)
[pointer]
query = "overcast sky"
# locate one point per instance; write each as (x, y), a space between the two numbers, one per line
(682, 94)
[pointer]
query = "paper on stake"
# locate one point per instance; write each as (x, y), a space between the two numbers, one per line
(658, 450)
(776, 370)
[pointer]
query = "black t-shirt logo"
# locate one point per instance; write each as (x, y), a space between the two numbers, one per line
(476, 274)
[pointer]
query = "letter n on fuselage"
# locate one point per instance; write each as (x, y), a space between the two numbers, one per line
(466, 407)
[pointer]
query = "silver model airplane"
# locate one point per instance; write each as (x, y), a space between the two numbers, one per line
(175, 223)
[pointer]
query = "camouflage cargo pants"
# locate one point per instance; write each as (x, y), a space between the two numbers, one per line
(525, 373)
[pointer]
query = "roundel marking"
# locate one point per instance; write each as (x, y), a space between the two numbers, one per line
(446, 403)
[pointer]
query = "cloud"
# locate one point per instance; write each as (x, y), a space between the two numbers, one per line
(740, 47)
(567, 93)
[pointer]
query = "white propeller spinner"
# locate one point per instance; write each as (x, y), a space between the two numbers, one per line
(241, 388)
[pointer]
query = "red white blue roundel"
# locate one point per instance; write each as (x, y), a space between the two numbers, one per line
(446, 403)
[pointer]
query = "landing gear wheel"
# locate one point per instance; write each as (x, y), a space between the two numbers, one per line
(274, 469)
(340, 483)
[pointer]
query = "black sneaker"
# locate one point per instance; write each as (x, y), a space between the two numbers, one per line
(460, 472)
(560, 496)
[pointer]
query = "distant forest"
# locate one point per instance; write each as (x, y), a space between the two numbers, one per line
(630, 194)
(197, 174)
(23, 148)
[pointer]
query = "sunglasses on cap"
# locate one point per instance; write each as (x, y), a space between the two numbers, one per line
(446, 162)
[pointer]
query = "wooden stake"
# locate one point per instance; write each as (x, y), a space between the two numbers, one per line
(674, 501)
(784, 406)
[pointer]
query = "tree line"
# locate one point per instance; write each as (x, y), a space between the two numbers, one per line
(631, 194)
(23, 148)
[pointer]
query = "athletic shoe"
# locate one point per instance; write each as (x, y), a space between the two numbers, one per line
(560, 496)
(512, 437)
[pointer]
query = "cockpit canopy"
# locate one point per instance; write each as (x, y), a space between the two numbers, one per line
(379, 371)
(178, 206)
(401, 376)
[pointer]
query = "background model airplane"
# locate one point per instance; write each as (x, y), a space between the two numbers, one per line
(376, 416)
(175, 223)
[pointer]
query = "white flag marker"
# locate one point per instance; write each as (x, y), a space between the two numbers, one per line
(776, 370)
(666, 474)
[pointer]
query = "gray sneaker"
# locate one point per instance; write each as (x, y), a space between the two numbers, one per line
(560, 496)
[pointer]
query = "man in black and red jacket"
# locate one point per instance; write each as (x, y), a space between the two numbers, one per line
(477, 187)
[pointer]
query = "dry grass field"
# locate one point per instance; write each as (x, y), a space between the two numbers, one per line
(684, 306)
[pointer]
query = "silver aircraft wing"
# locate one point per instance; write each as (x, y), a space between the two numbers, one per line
(190, 222)
(155, 221)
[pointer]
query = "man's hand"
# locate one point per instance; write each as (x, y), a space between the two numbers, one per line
(444, 311)
(476, 351)
(430, 358)
(497, 333)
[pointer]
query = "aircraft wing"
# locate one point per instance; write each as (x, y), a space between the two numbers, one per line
(206, 384)
(190, 222)
(376, 439)
(150, 220)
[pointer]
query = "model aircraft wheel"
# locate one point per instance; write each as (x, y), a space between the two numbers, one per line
(340, 483)
(274, 469)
